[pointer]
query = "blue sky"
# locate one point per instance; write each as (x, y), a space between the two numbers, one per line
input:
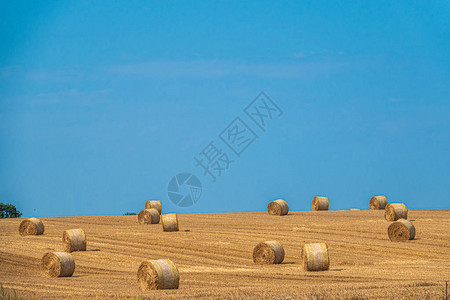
(102, 103)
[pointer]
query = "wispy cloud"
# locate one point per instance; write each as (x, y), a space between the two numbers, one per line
(73, 97)
(10, 71)
(46, 75)
(395, 99)
(221, 69)
(315, 54)
(162, 69)
(173, 69)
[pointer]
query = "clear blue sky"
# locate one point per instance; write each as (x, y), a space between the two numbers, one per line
(102, 103)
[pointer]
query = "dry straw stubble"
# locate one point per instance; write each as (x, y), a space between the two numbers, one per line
(315, 257)
(148, 216)
(395, 211)
(270, 252)
(320, 203)
(401, 231)
(378, 202)
(153, 204)
(278, 207)
(74, 240)
(158, 275)
(31, 226)
(58, 264)
(169, 222)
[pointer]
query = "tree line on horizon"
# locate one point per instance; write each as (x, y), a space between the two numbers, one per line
(9, 211)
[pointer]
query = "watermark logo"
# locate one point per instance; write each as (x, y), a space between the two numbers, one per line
(238, 136)
(213, 161)
(262, 110)
(184, 189)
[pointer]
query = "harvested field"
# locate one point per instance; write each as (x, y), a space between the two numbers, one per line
(213, 254)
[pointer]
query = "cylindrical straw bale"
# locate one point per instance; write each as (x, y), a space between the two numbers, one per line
(148, 216)
(270, 252)
(315, 257)
(278, 207)
(153, 204)
(320, 203)
(31, 226)
(401, 231)
(169, 222)
(158, 275)
(58, 264)
(395, 211)
(378, 202)
(74, 240)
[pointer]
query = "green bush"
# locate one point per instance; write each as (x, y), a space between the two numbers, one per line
(9, 211)
(129, 214)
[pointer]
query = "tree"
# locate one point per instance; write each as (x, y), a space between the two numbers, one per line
(9, 211)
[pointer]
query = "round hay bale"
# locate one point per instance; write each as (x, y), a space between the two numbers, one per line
(58, 264)
(320, 203)
(148, 216)
(74, 240)
(395, 211)
(378, 202)
(270, 252)
(31, 226)
(401, 231)
(315, 257)
(169, 222)
(278, 207)
(153, 204)
(158, 275)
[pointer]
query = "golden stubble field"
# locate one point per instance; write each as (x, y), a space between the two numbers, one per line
(213, 253)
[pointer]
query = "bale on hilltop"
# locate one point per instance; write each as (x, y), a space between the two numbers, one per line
(320, 203)
(58, 264)
(169, 222)
(395, 211)
(148, 216)
(401, 231)
(153, 204)
(278, 207)
(315, 257)
(270, 252)
(158, 275)
(378, 202)
(31, 226)
(74, 240)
